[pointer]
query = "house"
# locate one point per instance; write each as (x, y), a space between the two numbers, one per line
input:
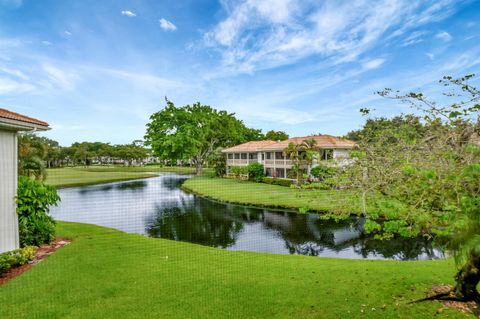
(331, 150)
(10, 124)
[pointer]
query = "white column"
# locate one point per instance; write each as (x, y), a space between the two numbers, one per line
(8, 189)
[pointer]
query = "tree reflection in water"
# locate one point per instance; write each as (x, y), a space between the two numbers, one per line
(210, 223)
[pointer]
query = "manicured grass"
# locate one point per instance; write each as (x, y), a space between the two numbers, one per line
(79, 176)
(69, 177)
(105, 273)
(266, 195)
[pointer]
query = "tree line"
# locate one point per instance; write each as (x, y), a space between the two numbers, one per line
(36, 153)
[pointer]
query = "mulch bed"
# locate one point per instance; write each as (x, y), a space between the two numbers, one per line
(465, 307)
(41, 253)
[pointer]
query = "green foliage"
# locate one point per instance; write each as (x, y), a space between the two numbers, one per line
(301, 156)
(426, 169)
(323, 172)
(194, 132)
(239, 171)
(276, 136)
(255, 172)
(219, 163)
(16, 257)
(277, 181)
(34, 199)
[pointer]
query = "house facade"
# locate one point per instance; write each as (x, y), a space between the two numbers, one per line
(331, 151)
(10, 124)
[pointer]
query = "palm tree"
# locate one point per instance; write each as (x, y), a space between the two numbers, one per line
(300, 153)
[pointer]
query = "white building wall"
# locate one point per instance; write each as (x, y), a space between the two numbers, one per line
(8, 189)
(340, 154)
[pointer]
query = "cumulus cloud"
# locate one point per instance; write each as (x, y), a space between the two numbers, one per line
(263, 34)
(128, 13)
(445, 36)
(167, 25)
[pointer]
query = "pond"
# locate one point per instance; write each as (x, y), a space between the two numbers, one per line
(157, 207)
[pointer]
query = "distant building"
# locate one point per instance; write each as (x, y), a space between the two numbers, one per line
(331, 151)
(10, 124)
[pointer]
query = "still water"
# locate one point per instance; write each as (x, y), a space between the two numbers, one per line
(157, 207)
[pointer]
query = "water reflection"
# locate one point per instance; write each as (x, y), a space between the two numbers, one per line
(157, 207)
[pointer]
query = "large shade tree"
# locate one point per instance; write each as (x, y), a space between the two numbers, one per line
(194, 132)
(276, 136)
(423, 178)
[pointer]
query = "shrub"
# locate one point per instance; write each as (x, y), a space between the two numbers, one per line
(34, 199)
(277, 181)
(238, 171)
(218, 161)
(16, 257)
(323, 172)
(255, 172)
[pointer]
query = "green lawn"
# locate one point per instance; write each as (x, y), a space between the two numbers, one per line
(259, 194)
(78, 176)
(105, 273)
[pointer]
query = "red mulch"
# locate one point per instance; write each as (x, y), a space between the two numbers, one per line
(41, 253)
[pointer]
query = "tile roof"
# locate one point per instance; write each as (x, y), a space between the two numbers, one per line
(249, 146)
(322, 141)
(21, 118)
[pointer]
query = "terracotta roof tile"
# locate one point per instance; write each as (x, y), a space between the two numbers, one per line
(19, 117)
(249, 146)
(322, 141)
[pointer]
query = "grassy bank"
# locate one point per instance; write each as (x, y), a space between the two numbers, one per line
(105, 273)
(265, 195)
(79, 176)
(69, 177)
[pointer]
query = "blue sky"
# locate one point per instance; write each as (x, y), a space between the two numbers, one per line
(96, 70)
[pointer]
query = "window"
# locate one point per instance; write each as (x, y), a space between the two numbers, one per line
(252, 156)
(269, 155)
(263, 156)
(230, 156)
(237, 156)
(244, 155)
(326, 154)
(279, 155)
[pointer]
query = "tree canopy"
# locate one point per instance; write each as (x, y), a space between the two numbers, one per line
(420, 175)
(195, 132)
(276, 136)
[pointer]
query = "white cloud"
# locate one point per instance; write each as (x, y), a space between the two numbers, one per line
(47, 43)
(58, 78)
(431, 56)
(15, 73)
(167, 25)
(258, 34)
(413, 38)
(373, 64)
(445, 36)
(128, 13)
(10, 86)
(67, 33)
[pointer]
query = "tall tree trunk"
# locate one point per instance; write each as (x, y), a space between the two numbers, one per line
(198, 168)
(468, 278)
